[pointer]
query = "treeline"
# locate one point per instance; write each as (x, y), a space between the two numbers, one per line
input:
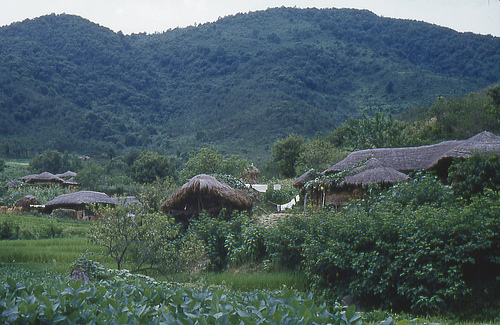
(240, 83)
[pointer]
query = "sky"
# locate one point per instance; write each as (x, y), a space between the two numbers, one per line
(150, 16)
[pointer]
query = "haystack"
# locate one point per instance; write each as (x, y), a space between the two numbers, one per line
(204, 192)
(78, 201)
(252, 175)
(27, 201)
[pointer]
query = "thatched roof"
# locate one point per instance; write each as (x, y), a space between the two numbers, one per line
(13, 184)
(423, 157)
(304, 178)
(43, 177)
(67, 174)
(71, 181)
(373, 171)
(80, 198)
(204, 192)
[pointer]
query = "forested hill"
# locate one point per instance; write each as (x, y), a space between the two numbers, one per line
(238, 83)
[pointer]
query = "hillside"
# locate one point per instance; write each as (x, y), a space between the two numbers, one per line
(239, 83)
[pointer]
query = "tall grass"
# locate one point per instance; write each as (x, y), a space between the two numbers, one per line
(259, 281)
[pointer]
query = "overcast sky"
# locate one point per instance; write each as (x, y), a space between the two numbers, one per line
(134, 16)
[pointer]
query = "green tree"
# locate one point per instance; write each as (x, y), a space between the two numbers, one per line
(53, 161)
(145, 241)
(381, 131)
(2, 165)
(150, 166)
(318, 153)
(210, 161)
(471, 176)
(286, 153)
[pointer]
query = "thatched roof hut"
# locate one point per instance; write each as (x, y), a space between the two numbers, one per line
(78, 201)
(71, 183)
(68, 174)
(44, 177)
(436, 157)
(204, 192)
(304, 178)
(373, 171)
(27, 201)
(13, 184)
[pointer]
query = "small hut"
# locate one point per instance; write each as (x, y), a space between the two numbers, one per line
(78, 201)
(204, 192)
(353, 183)
(13, 184)
(27, 201)
(44, 177)
(304, 178)
(71, 183)
(66, 175)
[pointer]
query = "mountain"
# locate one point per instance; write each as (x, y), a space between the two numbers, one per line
(239, 83)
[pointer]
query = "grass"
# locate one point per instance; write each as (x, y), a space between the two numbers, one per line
(259, 280)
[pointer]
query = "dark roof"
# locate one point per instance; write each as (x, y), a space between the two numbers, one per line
(43, 177)
(423, 157)
(81, 198)
(304, 178)
(373, 171)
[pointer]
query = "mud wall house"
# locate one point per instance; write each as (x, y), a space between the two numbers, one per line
(79, 201)
(205, 193)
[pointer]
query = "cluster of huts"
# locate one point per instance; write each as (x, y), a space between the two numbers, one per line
(335, 186)
(387, 166)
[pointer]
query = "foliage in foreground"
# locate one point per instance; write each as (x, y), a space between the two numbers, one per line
(142, 301)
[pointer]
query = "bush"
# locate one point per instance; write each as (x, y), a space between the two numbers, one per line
(285, 241)
(471, 176)
(424, 261)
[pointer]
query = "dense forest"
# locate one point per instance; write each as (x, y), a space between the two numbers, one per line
(240, 83)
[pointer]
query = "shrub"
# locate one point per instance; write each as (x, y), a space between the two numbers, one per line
(471, 176)
(284, 242)
(425, 261)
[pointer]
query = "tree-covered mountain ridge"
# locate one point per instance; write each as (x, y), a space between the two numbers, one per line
(238, 83)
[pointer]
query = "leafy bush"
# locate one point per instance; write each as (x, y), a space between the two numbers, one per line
(245, 241)
(281, 196)
(471, 176)
(421, 189)
(285, 241)
(426, 260)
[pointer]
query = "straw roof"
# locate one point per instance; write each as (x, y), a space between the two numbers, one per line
(67, 174)
(13, 184)
(373, 171)
(71, 181)
(423, 157)
(80, 198)
(304, 178)
(204, 192)
(43, 177)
